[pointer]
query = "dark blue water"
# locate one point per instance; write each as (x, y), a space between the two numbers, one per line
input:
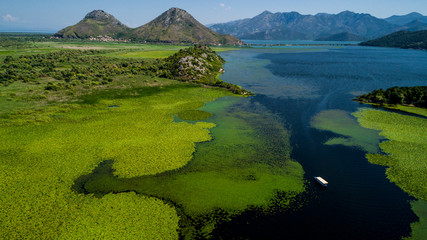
(298, 83)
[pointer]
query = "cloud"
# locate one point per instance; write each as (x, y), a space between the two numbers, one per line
(9, 18)
(225, 7)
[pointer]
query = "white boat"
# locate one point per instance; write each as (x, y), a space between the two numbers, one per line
(322, 181)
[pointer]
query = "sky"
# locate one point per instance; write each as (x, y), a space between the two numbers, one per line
(52, 15)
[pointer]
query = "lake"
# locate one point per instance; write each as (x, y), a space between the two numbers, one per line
(298, 83)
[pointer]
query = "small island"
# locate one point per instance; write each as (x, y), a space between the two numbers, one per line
(410, 96)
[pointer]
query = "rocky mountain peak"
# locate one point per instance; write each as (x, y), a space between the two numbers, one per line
(102, 16)
(99, 15)
(175, 16)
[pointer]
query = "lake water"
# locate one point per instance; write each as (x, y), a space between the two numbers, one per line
(299, 42)
(297, 83)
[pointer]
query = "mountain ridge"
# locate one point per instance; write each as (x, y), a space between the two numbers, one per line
(178, 26)
(173, 26)
(405, 19)
(305, 27)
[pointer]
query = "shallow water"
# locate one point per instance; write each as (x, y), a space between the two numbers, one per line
(297, 84)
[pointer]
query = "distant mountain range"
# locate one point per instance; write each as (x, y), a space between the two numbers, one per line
(405, 19)
(345, 26)
(173, 26)
(401, 39)
(415, 25)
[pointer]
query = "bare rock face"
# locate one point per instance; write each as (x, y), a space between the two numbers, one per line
(99, 15)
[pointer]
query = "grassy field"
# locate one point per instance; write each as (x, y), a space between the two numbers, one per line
(119, 49)
(405, 154)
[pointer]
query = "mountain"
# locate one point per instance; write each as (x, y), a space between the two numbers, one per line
(292, 25)
(415, 25)
(401, 39)
(178, 26)
(404, 19)
(94, 24)
(173, 26)
(344, 36)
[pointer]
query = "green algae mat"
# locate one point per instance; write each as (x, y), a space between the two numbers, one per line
(125, 165)
(404, 154)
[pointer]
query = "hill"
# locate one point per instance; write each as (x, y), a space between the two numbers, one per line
(292, 25)
(198, 64)
(401, 39)
(344, 36)
(173, 26)
(405, 19)
(94, 24)
(178, 26)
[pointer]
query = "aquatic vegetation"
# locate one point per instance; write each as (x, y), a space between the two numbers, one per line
(405, 151)
(245, 165)
(419, 230)
(194, 115)
(414, 110)
(40, 162)
(405, 156)
(342, 123)
(97, 222)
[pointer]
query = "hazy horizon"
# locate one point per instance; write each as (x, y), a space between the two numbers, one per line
(49, 16)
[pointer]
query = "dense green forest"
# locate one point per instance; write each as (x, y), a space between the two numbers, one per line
(66, 69)
(416, 96)
(401, 39)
